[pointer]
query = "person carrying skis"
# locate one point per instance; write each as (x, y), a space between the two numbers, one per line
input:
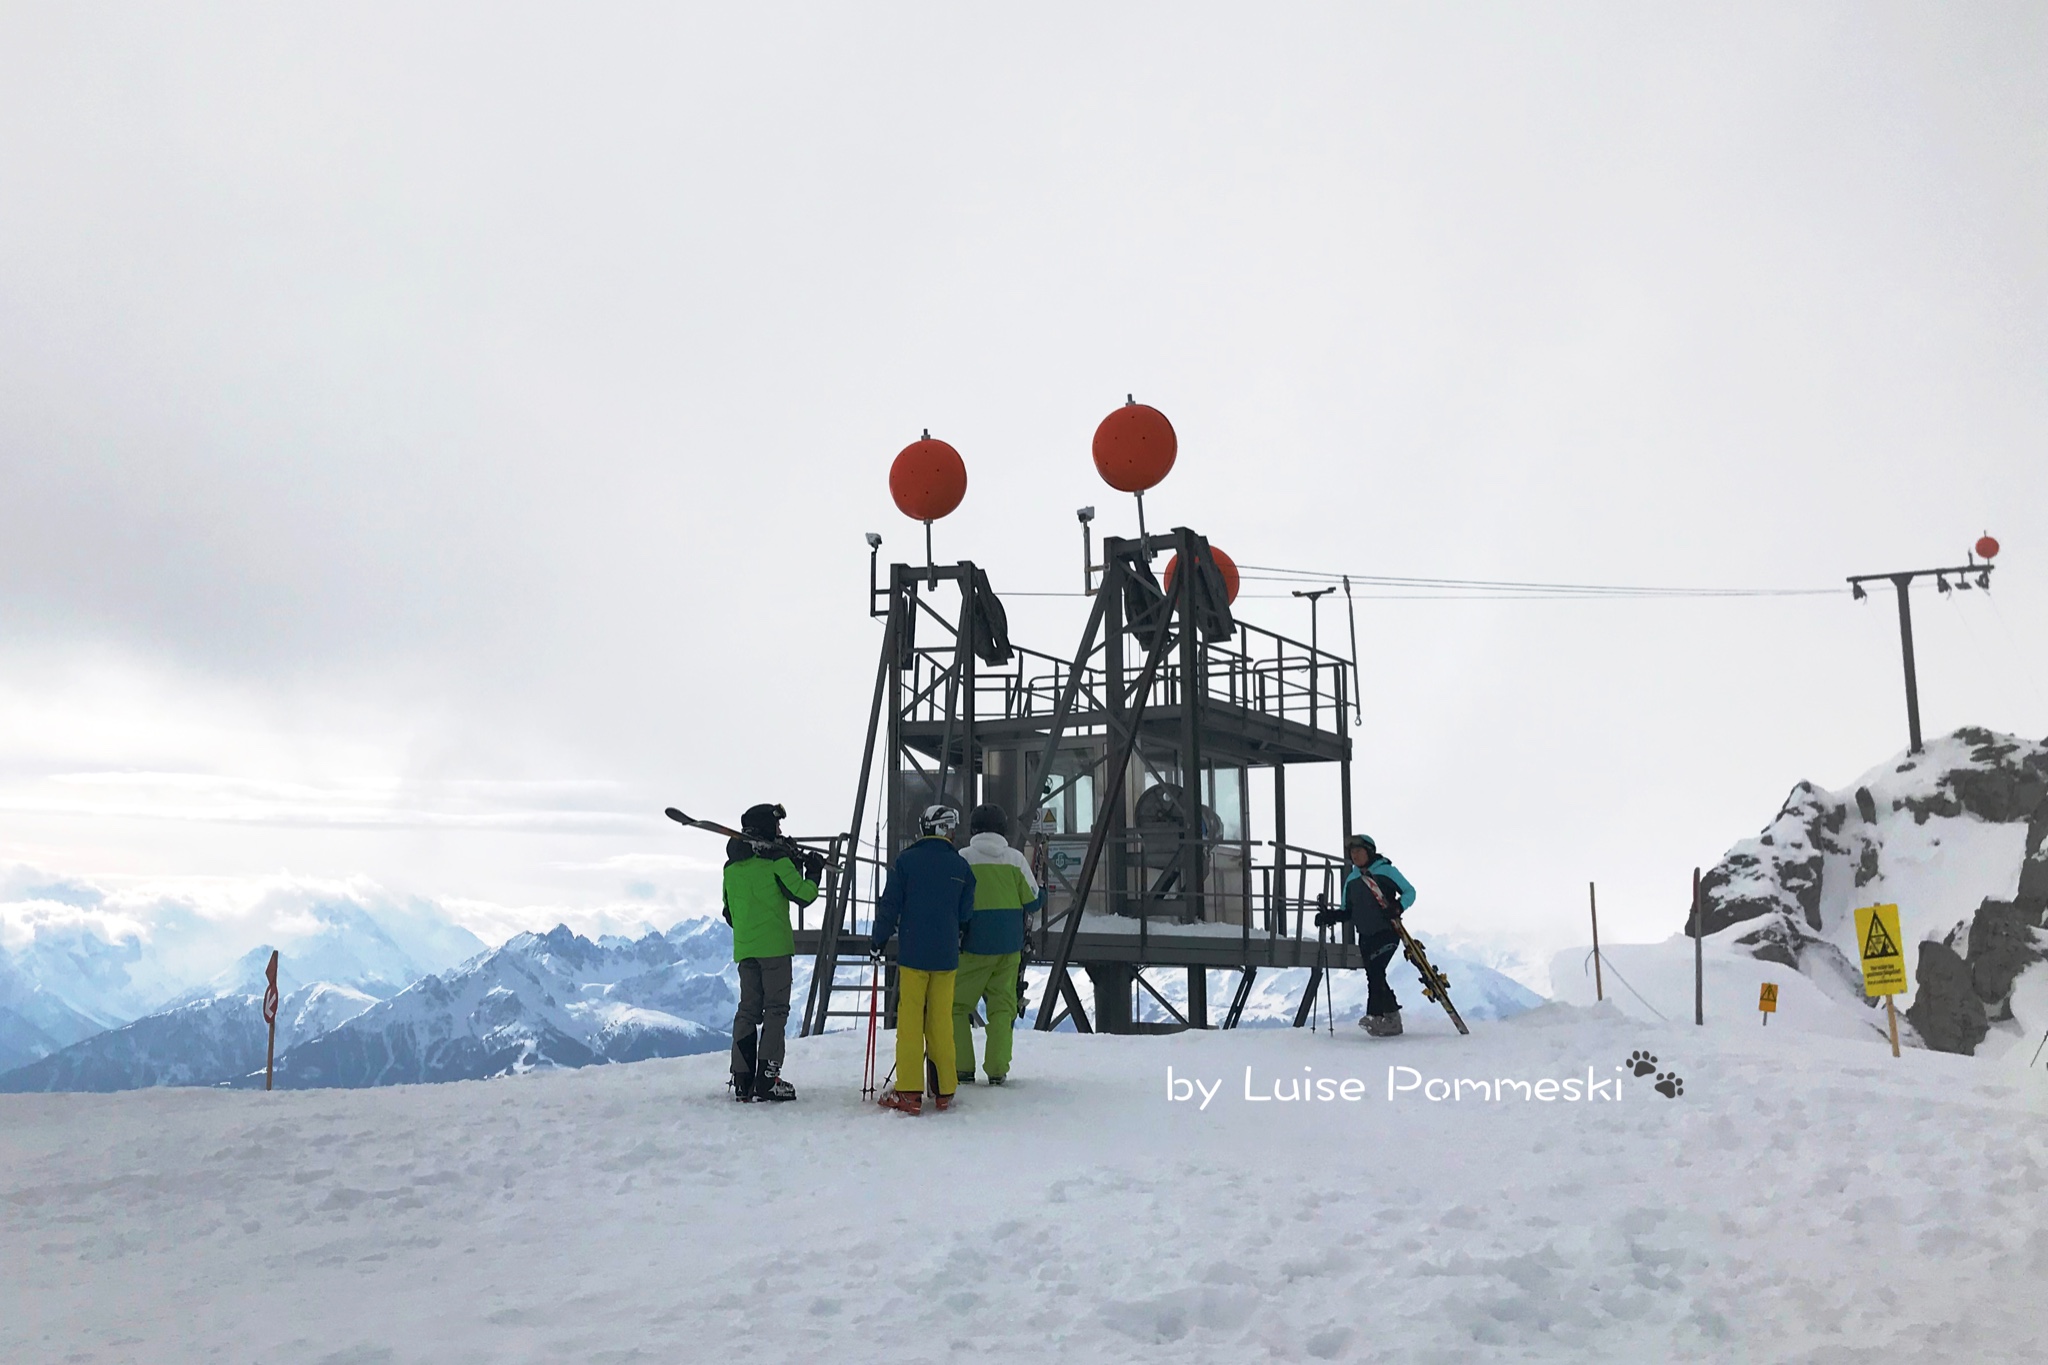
(929, 901)
(1375, 895)
(762, 881)
(1004, 893)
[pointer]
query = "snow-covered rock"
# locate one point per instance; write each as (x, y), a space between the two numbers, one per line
(1954, 836)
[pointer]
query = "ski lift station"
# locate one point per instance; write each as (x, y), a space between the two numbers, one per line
(1125, 762)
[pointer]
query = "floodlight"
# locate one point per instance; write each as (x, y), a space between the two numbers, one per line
(1856, 591)
(874, 540)
(1085, 515)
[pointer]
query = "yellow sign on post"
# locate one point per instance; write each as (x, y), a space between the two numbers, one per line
(1767, 1001)
(1884, 959)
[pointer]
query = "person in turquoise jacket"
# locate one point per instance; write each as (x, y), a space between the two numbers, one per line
(1004, 893)
(1375, 896)
(927, 903)
(761, 882)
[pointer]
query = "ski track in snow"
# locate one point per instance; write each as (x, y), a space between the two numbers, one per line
(1805, 1199)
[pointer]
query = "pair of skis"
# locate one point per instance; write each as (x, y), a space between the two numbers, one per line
(1435, 985)
(776, 848)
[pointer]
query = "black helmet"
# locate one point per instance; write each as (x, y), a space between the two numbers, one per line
(1364, 841)
(763, 821)
(988, 818)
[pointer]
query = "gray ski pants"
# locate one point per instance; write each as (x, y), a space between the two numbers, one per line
(764, 1005)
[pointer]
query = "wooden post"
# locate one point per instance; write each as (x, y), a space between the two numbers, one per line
(1891, 1016)
(270, 1018)
(1593, 904)
(1699, 970)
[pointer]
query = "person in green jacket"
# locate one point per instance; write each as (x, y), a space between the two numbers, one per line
(1004, 893)
(761, 882)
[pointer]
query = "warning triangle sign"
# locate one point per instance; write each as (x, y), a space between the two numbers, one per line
(1878, 943)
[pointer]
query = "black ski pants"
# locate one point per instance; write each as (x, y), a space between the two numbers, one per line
(1378, 950)
(763, 1012)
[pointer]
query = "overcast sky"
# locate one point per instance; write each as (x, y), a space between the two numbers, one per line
(434, 438)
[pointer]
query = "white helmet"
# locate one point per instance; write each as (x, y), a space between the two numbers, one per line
(940, 819)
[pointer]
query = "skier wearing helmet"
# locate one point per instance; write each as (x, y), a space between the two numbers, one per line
(1375, 895)
(761, 882)
(928, 901)
(1004, 893)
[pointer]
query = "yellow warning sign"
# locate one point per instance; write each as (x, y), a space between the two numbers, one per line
(1884, 962)
(1768, 1000)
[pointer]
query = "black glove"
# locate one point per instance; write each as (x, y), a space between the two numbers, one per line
(814, 866)
(876, 945)
(1329, 916)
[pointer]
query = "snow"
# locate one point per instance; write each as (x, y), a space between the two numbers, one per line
(1803, 1198)
(1653, 981)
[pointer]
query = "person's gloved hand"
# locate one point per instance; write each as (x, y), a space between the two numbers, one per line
(876, 945)
(814, 866)
(1328, 916)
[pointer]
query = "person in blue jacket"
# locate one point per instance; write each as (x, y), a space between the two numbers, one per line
(928, 902)
(1375, 895)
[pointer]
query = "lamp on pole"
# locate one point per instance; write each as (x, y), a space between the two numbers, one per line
(1315, 599)
(1979, 567)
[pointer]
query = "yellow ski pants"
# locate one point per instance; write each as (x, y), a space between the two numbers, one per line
(924, 1024)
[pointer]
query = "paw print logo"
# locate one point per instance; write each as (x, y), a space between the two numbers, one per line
(1642, 1063)
(1669, 1086)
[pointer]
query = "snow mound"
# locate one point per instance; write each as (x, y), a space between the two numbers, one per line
(1739, 1200)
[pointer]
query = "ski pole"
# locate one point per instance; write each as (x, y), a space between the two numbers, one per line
(867, 1076)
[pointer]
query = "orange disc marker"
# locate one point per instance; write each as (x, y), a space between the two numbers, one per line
(928, 479)
(1224, 565)
(1134, 448)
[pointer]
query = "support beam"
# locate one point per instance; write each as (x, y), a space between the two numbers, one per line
(1904, 583)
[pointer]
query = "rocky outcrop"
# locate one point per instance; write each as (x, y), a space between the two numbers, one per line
(1946, 1012)
(1790, 889)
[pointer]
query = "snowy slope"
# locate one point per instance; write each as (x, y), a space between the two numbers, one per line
(539, 1001)
(1957, 837)
(1801, 1199)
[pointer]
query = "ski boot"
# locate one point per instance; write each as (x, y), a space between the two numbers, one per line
(1386, 1025)
(742, 1088)
(998, 1080)
(943, 1102)
(769, 1085)
(909, 1102)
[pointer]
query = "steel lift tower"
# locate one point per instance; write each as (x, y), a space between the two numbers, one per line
(1125, 767)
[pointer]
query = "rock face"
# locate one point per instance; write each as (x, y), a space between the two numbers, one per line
(1956, 836)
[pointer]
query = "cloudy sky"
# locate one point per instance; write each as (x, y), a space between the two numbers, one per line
(434, 438)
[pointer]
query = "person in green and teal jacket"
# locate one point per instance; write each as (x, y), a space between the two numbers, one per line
(1004, 893)
(762, 881)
